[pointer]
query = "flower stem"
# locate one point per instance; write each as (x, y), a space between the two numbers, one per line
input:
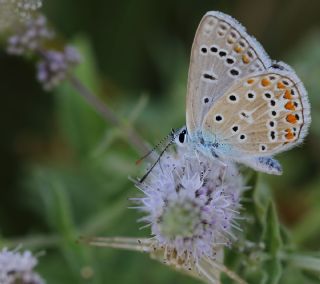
(107, 113)
(35, 241)
(305, 262)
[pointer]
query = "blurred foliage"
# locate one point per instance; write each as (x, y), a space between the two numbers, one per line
(64, 171)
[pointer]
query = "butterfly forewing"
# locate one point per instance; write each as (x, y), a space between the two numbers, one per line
(222, 53)
(262, 114)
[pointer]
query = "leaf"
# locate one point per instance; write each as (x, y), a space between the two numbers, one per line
(261, 197)
(273, 242)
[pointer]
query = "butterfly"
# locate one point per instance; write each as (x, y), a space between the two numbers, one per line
(241, 105)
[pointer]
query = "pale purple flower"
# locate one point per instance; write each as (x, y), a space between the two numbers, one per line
(191, 203)
(27, 5)
(17, 267)
(33, 37)
(12, 12)
(30, 37)
(55, 65)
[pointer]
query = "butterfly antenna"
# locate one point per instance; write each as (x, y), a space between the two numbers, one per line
(138, 162)
(172, 134)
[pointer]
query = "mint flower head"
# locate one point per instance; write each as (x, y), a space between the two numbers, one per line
(12, 12)
(17, 267)
(191, 203)
(27, 5)
(30, 36)
(34, 37)
(55, 65)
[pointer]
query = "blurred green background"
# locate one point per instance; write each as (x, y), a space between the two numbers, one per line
(64, 171)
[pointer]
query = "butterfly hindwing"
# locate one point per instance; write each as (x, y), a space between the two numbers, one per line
(222, 53)
(261, 115)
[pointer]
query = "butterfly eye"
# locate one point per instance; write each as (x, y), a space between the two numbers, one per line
(181, 137)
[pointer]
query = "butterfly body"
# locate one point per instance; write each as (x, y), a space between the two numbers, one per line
(241, 105)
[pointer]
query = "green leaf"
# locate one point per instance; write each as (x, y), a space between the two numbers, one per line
(261, 197)
(273, 242)
(305, 262)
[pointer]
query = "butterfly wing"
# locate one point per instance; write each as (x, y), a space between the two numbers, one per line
(260, 115)
(222, 53)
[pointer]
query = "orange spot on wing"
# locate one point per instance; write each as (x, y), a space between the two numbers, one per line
(291, 118)
(245, 59)
(290, 106)
(250, 81)
(280, 85)
(265, 82)
(287, 94)
(289, 135)
(237, 49)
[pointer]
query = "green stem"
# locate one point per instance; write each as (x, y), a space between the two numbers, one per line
(304, 262)
(32, 242)
(107, 113)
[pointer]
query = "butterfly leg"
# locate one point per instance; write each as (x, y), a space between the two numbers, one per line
(264, 164)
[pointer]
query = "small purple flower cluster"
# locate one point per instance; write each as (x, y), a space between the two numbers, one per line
(16, 267)
(55, 65)
(28, 4)
(14, 12)
(25, 7)
(31, 36)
